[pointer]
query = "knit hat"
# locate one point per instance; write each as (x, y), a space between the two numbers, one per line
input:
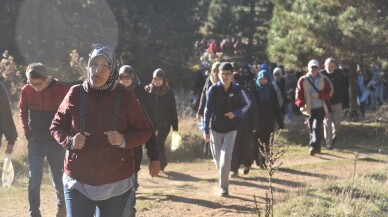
(36, 71)
(108, 53)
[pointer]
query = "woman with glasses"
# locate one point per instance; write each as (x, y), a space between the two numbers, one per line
(312, 90)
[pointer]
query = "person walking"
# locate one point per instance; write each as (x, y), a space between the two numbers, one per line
(268, 112)
(312, 92)
(225, 106)
(162, 111)
(212, 79)
(39, 100)
(332, 121)
(99, 123)
(128, 78)
(7, 125)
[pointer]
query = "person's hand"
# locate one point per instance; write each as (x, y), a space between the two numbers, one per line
(9, 148)
(198, 116)
(79, 140)
(230, 115)
(253, 131)
(206, 137)
(114, 137)
(316, 95)
(154, 168)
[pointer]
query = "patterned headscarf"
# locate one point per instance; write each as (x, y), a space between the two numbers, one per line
(264, 90)
(108, 53)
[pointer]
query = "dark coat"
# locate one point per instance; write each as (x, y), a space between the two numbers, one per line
(7, 125)
(163, 111)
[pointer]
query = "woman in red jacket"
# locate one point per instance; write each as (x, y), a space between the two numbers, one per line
(99, 123)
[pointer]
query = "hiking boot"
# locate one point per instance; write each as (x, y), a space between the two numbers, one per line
(233, 174)
(61, 211)
(246, 170)
(312, 151)
(329, 146)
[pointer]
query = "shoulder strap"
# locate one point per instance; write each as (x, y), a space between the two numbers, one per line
(82, 109)
(116, 110)
(312, 84)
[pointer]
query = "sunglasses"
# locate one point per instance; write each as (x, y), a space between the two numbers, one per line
(313, 68)
(125, 77)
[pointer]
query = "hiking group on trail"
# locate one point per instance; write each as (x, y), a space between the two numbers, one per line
(92, 133)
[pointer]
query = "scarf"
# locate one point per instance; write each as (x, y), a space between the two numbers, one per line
(108, 53)
(263, 90)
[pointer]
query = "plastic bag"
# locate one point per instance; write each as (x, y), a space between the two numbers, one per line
(176, 140)
(8, 172)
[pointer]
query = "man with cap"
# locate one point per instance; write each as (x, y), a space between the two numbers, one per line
(39, 100)
(312, 90)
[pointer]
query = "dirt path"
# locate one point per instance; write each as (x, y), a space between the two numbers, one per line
(190, 188)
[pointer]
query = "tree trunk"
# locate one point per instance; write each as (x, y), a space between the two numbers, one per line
(353, 89)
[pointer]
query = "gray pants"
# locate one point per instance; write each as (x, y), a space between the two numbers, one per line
(221, 145)
(332, 123)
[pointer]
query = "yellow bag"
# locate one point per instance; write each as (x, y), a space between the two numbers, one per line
(176, 140)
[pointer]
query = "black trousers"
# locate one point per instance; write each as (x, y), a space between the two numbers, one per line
(315, 122)
(243, 148)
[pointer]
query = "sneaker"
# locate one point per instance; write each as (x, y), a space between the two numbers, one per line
(61, 211)
(224, 192)
(246, 170)
(312, 151)
(233, 174)
(329, 146)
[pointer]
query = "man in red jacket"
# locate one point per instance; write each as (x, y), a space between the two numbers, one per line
(39, 101)
(312, 90)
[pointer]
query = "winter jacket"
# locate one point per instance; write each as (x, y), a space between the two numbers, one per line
(202, 102)
(163, 111)
(267, 112)
(7, 125)
(220, 102)
(303, 95)
(98, 162)
(337, 79)
(37, 109)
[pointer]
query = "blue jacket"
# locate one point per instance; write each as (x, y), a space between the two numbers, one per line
(219, 103)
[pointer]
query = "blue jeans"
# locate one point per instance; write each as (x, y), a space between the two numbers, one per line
(78, 205)
(315, 123)
(130, 209)
(55, 155)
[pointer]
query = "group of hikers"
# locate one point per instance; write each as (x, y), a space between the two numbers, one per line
(92, 133)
